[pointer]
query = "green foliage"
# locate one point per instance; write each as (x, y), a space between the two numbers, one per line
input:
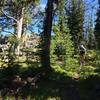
(58, 69)
(96, 62)
(22, 2)
(91, 57)
(27, 49)
(90, 38)
(27, 16)
(13, 40)
(91, 54)
(61, 45)
(87, 71)
(75, 15)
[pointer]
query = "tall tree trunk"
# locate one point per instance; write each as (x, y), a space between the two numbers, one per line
(97, 28)
(19, 29)
(46, 36)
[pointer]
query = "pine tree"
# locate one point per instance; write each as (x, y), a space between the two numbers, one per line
(17, 10)
(91, 40)
(62, 46)
(75, 13)
(97, 27)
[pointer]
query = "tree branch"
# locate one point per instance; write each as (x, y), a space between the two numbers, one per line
(10, 33)
(8, 15)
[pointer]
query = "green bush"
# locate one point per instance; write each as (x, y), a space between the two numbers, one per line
(91, 54)
(86, 71)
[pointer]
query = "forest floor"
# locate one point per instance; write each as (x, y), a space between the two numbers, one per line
(78, 83)
(55, 86)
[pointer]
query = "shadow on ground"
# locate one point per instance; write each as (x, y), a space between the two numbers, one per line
(40, 86)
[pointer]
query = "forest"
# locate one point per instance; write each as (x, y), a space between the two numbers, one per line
(49, 49)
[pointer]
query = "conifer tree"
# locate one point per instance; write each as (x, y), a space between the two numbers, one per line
(91, 40)
(97, 27)
(20, 14)
(75, 13)
(62, 46)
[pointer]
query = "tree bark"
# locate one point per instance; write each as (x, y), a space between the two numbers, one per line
(46, 36)
(19, 29)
